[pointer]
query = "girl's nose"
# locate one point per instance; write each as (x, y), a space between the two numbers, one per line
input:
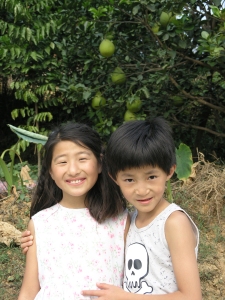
(73, 169)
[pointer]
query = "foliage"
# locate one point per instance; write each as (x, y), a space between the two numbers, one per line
(8, 169)
(184, 162)
(29, 136)
(51, 50)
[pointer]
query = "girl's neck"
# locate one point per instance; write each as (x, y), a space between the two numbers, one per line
(72, 206)
(73, 202)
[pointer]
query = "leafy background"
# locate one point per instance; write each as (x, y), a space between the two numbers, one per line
(51, 68)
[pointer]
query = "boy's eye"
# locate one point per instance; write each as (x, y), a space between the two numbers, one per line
(83, 158)
(152, 177)
(129, 180)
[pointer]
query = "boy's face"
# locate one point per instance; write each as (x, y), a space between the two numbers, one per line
(143, 187)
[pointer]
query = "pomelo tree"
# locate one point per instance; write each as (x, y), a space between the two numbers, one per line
(171, 53)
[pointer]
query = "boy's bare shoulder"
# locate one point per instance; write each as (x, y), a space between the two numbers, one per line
(177, 218)
(178, 227)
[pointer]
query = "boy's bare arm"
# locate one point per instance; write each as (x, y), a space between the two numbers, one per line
(30, 286)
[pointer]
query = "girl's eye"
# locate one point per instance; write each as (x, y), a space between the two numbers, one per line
(152, 177)
(83, 158)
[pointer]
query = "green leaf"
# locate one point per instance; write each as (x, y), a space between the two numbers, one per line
(216, 11)
(136, 9)
(29, 33)
(184, 162)
(34, 55)
(182, 44)
(29, 136)
(204, 35)
(6, 172)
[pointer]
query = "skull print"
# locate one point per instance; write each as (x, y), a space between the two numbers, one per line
(137, 267)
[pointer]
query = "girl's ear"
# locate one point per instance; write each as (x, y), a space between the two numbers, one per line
(172, 170)
(99, 168)
(100, 164)
(51, 174)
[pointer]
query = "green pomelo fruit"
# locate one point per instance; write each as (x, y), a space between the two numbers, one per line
(173, 19)
(113, 128)
(129, 116)
(164, 18)
(118, 76)
(98, 101)
(177, 100)
(135, 106)
(106, 48)
(155, 28)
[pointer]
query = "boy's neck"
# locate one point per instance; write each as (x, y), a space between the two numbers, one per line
(145, 218)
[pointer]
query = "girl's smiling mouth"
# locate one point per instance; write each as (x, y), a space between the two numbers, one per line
(76, 181)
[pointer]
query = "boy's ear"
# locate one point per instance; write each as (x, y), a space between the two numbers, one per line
(172, 170)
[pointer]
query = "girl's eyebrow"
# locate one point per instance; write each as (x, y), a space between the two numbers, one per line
(78, 153)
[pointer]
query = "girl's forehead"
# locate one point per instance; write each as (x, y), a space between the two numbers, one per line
(70, 146)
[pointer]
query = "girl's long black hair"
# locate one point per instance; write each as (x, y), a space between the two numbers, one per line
(103, 200)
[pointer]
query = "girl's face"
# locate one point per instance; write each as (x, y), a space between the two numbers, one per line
(75, 171)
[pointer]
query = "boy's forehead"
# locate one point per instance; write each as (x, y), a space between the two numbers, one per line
(142, 169)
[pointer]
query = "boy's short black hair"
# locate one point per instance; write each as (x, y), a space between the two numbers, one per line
(140, 143)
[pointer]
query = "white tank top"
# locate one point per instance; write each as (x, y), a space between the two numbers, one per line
(74, 252)
(148, 265)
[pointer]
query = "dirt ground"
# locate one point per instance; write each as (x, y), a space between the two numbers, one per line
(203, 198)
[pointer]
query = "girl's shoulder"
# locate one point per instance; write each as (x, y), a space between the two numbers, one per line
(45, 213)
(120, 219)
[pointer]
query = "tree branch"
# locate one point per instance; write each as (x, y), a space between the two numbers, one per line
(199, 99)
(199, 128)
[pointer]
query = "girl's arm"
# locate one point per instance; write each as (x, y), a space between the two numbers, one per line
(30, 286)
(26, 241)
(182, 242)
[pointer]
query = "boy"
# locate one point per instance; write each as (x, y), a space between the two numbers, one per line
(162, 242)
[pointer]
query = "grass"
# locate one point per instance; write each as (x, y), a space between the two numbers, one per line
(11, 271)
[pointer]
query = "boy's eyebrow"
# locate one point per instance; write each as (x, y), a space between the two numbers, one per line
(146, 173)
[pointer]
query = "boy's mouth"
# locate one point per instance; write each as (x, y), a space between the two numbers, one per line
(144, 200)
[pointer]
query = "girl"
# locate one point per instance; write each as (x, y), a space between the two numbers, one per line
(78, 229)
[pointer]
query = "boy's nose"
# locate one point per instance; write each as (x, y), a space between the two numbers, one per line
(142, 190)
